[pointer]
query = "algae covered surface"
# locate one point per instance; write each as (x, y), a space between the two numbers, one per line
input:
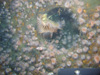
(39, 37)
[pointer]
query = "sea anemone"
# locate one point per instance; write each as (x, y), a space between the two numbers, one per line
(92, 33)
(83, 57)
(29, 26)
(97, 22)
(84, 29)
(88, 57)
(67, 4)
(18, 42)
(98, 8)
(95, 49)
(53, 61)
(79, 63)
(63, 65)
(84, 42)
(97, 58)
(81, 20)
(70, 54)
(98, 30)
(52, 54)
(98, 40)
(59, 53)
(79, 50)
(51, 47)
(63, 58)
(49, 66)
(85, 49)
(69, 63)
(96, 15)
(92, 23)
(42, 56)
(46, 26)
(8, 70)
(75, 55)
(79, 10)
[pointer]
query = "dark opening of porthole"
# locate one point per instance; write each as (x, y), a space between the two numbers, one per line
(64, 17)
(69, 33)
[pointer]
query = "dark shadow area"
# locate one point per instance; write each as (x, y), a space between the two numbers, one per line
(69, 25)
(63, 14)
(6, 43)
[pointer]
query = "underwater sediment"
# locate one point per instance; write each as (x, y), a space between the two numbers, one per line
(39, 37)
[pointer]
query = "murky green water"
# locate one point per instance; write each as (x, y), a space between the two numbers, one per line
(38, 37)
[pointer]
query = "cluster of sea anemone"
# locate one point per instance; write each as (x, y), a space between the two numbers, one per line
(39, 37)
